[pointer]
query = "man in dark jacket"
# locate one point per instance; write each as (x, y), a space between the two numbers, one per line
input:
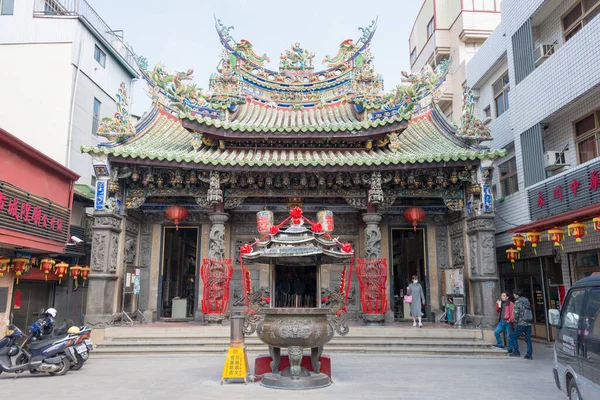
(523, 327)
(504, 308)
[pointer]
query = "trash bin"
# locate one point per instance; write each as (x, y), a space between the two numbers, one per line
(459, 310)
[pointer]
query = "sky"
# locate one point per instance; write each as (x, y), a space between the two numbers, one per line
(181, 34)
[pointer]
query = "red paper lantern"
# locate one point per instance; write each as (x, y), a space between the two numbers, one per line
(577, 230)
(518, 241)
(75, 270)
(19, 265)
(46, 266)
(296, 212)
(61, 270)
(85, 272)
(4, 262)
(556, 235)
(534, 238)
(176, 214)
(414, 215)
(511, 254)
(596, 223)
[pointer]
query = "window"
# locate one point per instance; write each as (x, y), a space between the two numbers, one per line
(508, 177)
(578, 16)
(7, 7)
(587, 135)
(487, 114)
(430, 27)
(501, 89)
(570, 314)
(413, 55)
(96, 116)
(586, 263)
(592, 315)
(99, 56)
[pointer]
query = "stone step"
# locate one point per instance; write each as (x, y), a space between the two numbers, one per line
(336, 342)
(201, 350)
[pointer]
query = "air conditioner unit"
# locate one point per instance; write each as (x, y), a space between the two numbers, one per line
(543, 51)
(555, 160)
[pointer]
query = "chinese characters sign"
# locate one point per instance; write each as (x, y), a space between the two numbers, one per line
(33, 215)
(570, 191)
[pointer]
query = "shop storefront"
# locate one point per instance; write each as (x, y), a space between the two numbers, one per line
(36, 195)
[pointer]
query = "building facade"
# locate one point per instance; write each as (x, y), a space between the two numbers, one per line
(542, 58)
(453, 29)
(36, 195)
(273, 140)
(65, 64)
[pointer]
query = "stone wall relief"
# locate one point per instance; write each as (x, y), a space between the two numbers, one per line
(99, 251)
(441, 238)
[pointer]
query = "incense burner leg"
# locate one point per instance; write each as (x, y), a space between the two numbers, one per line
(315, 356)
(295, 356)
(275, 353)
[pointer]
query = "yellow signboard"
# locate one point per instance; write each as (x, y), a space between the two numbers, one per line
(236, 365)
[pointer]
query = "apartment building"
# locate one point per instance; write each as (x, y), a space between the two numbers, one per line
(452, 29)
(537, 86)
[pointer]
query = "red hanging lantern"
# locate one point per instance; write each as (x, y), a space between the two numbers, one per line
(4, 262)
(414, 215)
(85, 272)
(596, 223)
(511, 254)
(534, 238)
(556, 235)
(19, 265)
(75, 270)
(176, 214)
(46, 266)
(518, 241)
(61, 270)
(577, 230)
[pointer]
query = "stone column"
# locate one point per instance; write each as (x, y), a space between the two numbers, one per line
(216, 249)
(106, 233)
(484, 288)
(373, 250)
(372, 235)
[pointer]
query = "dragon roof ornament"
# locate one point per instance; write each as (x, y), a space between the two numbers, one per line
(472, 131)
(119, 127)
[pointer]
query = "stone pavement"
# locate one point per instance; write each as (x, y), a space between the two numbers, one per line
(355, 377)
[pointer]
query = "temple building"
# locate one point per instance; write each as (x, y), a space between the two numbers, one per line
(185, 184)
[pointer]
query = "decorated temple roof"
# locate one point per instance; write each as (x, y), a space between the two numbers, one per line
(162, 138)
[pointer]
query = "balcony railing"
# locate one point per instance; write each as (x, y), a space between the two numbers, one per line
(82, 10)
(576, 188)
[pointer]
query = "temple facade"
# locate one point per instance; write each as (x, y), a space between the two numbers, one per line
(404, 185)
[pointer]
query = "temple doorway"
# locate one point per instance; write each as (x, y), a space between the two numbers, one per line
(296, 286)
(408, 259)
(177, 299)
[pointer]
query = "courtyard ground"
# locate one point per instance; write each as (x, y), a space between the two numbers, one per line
(355, 377)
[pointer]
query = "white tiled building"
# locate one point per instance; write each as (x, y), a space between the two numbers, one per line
(536, 84)
(452, 29)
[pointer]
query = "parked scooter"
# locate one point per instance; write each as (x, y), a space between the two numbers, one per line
(82, 346)
(52, 355)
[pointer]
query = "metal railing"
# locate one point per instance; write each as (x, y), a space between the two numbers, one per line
(82, 10)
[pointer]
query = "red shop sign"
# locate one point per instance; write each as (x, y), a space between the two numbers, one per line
(27, 213)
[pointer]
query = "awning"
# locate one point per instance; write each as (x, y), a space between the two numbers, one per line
(580, 215)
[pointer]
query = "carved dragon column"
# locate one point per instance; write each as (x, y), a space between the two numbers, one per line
(483, 275)
(106, 233)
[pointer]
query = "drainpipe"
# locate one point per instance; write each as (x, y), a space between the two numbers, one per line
(73, 94)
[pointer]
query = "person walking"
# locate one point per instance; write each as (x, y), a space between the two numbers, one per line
(506, 316)
(418, 300)
(523, 318)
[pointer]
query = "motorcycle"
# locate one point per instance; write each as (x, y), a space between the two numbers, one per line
(82, 346)
(53, 355)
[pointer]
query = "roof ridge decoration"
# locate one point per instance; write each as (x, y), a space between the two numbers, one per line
(119, 127)
(472, 130)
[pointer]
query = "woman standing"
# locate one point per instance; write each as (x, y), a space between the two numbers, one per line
(418, 300)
